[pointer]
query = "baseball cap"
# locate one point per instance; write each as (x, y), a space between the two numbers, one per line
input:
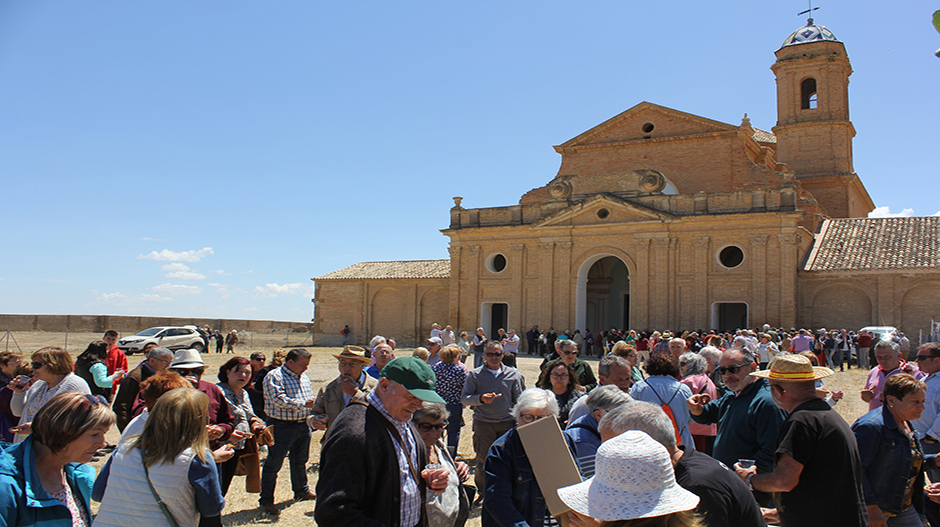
(415, 375)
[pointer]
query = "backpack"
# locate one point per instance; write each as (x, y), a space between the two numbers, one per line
(666, 408)
(83, 366)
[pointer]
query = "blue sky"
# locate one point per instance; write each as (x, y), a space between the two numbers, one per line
(209, 158)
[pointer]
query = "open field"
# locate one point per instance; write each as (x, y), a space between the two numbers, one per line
(242, 508)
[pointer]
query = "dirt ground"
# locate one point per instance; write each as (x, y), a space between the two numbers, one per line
(242, 508)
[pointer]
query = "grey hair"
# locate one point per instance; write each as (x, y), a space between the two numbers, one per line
(711, 352)
(693, 362)
(642, 416)
(560, 344)
(159, 353)
(603, 367)
(606, 398)
(376, 340)
(535, 398)
(886, 342)
(739, 342)
(432, 411)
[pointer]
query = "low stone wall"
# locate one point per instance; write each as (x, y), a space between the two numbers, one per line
(126, 324)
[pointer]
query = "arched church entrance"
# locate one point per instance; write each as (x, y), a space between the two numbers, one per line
(603, 296)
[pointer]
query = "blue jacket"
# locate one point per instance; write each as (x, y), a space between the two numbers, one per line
(512, 496)
(24, 501)
(583, 440)
(747, 426)
(886, 462)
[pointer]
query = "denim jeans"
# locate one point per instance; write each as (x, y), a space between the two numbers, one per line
(453, 427)
(293, 440)
(908, 518)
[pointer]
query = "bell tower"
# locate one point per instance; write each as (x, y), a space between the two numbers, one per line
(814, 133)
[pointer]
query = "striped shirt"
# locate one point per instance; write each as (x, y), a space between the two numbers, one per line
(286, 393)
(410, 495)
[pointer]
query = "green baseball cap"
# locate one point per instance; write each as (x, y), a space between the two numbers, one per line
(415, 375)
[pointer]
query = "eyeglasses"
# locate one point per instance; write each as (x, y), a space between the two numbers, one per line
(349, 363)
(559, 376)
(777, 386)
(575, 352)
(37, 364)
(530, 418)
(190, 371)
(92, 399)
(733, 370)
(925, 357)
(427, 427)
(493, 354)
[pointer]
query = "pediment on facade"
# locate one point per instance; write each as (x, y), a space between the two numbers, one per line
(602, 210)
(646, 121)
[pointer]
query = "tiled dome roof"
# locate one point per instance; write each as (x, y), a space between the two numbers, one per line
(809, 33)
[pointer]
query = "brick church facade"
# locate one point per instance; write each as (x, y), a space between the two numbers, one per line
(660, 219)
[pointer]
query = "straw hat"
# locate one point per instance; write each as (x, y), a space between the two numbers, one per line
(353, 353)
(793, 367)
(187, 358)
(633, 478)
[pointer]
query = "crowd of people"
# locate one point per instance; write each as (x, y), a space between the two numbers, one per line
(679, 429)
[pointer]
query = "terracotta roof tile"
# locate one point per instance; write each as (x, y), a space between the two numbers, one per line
(390, 270)
(864, 244)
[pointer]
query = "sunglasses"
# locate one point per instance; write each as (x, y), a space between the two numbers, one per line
(733, 370)
(190, 371)
(37, 364)
(569, 352)
(493, 354)
(559, 376)
(925, 357)
(427, 427)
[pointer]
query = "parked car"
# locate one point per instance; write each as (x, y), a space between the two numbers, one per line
(880, 332)
(172, 337)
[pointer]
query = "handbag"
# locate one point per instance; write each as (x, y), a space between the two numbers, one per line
(266, 438)
(163, 509)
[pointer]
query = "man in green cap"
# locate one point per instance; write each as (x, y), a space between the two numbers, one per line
(372, 463)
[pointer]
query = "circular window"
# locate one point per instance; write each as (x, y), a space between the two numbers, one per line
(496, 263)
(648, 127)
(731, 256)
(603, 213)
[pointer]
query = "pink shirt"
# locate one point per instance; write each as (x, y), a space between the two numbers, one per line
(700, 383)
(877, 377)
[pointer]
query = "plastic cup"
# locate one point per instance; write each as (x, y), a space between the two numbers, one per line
(746, 463)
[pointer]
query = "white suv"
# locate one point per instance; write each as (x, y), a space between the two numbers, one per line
(172, 337)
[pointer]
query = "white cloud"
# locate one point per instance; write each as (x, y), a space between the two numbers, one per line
(221, 289)
(220, 272)
(885, 212)
(151, 239)
(278, 289)
(126, 300)
(182, 272)
(176, 289)
(167, 255)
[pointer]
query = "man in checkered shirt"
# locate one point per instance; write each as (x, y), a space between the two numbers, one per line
(288, 399)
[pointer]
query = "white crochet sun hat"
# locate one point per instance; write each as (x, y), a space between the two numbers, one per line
(633, 478)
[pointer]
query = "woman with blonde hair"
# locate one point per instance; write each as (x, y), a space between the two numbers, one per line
(165, 476)
(44, 479)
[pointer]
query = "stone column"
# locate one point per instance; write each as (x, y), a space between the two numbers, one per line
(545, 282)
(672, 269)
(471, 301)
(562, 310)
(788, 270)
(701, 317)
(659, 292)
(758, 310)
(454, 309)
(640, 285)
(517, 307)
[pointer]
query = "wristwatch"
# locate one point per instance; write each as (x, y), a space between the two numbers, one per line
(748, 480)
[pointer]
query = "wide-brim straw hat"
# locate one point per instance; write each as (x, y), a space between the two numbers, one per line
(792, 367)
(633, 478)
(353, 353)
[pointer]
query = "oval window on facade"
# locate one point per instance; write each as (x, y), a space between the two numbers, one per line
(731, 256)
(496, 263)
